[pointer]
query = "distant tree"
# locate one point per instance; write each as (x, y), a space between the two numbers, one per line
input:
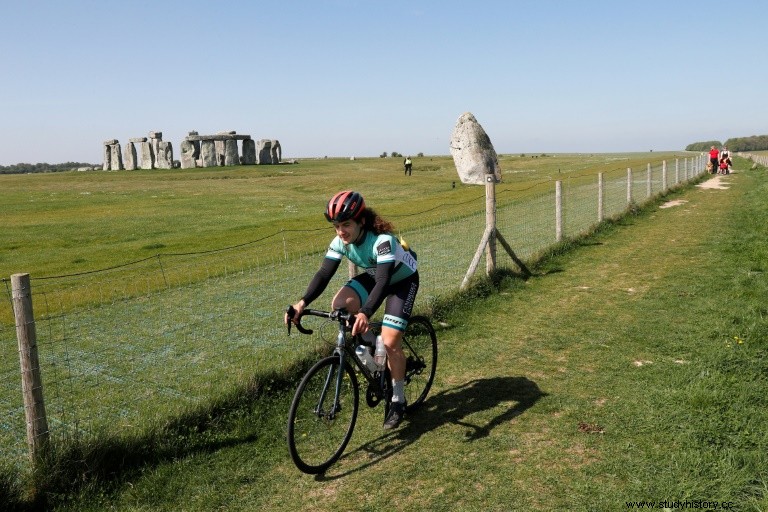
(23, 168)
(383, 155)
(395, 154)
(420, 155)
(752, 143)
(703, 146)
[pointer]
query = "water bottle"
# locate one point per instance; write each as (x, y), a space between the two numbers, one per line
(364, 355)
(380, 356)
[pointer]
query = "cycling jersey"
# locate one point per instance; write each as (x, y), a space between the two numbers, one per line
(375, 250)
(381, 256)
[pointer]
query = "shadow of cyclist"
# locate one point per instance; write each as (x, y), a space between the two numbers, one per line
(454, 406)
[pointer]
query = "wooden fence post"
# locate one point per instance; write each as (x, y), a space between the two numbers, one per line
(663, 175)
(648, 188)
(490, 222)
(677, 171)
(31, 379)
(600, 199)
(629, 186)
(558, 211)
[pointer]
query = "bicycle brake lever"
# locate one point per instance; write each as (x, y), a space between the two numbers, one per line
(290, 312)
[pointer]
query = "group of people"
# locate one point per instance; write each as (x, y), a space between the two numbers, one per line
(719, 161)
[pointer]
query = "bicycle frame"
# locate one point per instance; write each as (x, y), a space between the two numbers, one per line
(342, 350)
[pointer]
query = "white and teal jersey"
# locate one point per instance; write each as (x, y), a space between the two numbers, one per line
(375, 250)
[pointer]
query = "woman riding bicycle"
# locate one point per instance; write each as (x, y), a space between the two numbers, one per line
(390, 273)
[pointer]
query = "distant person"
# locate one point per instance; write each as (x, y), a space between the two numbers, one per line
(725, 154)
(723, 165)
(714, 160)
(408, 165)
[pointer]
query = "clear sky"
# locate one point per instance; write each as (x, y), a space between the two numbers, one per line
(361, 77)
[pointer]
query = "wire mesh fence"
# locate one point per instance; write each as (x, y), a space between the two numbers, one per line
(161, 340)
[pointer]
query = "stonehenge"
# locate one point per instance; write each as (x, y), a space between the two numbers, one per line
(220, 149)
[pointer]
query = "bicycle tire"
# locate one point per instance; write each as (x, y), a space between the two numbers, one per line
(420, 347)
(317, 439)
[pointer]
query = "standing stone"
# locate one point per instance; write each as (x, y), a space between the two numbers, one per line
(164, 155)
(276, 152)
(107, 158)
(116, 157)
(188, 157)
(154, 141)
(473, 153)
(196, 144)
(130, 157)
(208, 153)
(249, 152)
(264, 152)
(147, 155)
(219, 145)
(107, 165)
(230, 152)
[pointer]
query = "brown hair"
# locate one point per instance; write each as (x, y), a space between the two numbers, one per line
(374, 222)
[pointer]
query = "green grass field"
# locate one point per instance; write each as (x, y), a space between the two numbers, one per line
(631, 367)
(76, 223)
(70, 222)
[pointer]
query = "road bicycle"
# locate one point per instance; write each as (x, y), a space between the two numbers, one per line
(324, 409)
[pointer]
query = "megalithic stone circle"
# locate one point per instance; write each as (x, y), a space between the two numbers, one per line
(472, 151)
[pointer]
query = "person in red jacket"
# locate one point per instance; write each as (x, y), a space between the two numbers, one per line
(714, 157)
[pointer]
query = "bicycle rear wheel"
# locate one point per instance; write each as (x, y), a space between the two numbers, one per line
(420, 347)
(318, 428)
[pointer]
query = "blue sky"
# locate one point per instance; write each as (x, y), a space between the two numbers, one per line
(357, 78)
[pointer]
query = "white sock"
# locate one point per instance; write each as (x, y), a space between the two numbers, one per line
(398, 390)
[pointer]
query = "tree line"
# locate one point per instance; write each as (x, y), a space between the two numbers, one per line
(752, 143)
(41, 167)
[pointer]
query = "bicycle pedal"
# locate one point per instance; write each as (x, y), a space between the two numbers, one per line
(372, 397)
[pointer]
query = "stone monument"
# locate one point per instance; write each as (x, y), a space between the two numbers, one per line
(473, 152)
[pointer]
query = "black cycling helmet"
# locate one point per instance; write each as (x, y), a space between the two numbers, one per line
(345, 205)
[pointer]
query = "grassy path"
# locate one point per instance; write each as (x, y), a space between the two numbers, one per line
(632, 368)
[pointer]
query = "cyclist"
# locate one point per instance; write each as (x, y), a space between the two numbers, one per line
(390, 273)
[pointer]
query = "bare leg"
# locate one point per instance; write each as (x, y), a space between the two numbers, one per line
(393, 340)
(346, 298)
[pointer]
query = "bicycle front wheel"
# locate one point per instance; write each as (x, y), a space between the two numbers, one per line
(420, 347)
(321, 421)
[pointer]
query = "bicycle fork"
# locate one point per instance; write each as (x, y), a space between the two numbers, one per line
(336, 406)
